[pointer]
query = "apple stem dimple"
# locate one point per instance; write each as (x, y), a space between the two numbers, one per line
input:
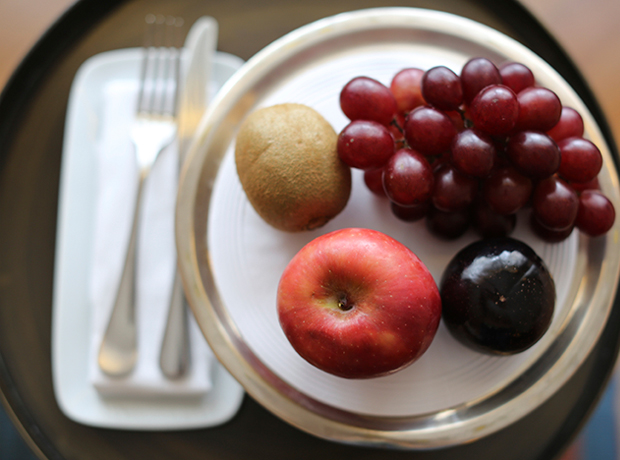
(343, 302)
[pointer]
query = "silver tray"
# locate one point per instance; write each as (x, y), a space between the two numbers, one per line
(231, 261)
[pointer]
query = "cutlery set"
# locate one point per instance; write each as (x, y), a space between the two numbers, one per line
(167, 111)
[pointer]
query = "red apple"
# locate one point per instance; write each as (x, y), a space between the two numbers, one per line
(358, 304)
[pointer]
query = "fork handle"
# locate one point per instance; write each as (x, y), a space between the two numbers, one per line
(175, 350)
(119, 348)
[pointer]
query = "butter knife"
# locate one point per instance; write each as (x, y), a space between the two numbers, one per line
(200, 45)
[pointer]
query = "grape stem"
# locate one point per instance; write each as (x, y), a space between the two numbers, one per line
(395, 123)
(467, 123)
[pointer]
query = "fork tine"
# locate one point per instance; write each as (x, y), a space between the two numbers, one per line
(149, 32)
(161, 66)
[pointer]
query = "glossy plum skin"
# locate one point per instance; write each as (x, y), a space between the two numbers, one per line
(498, 296)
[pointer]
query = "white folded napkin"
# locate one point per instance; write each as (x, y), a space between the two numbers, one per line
(117, 181)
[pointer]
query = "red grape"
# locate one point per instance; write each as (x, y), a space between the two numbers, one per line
(365, 144)
(477, 74)
(429, 130)
(506, 190)
(474, 148)
(548, 235)
(534, 154)
(364, 98)
(495, 110)
(596, 214)
(539, 109)
(408, 178)
(490, 224)
(441, 88)
(516, 76)
(569, 125)
(555, 204)
(373, 178)
(590, 185)
(453, 190)
(407, 90)
(473, 153)
(447, 225)
(410, 213)
(581, 159)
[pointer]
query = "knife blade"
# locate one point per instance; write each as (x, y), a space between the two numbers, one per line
(192, 101)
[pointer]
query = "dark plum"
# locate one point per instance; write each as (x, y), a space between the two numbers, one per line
(498, 296)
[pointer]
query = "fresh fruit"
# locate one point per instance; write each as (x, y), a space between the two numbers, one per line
(453, 190)
(534, 154)
(581, 160)
(490, 224)
(408, 178)
(495, 110)
(569, 125)
(506, 191)
(365, 144)
(364, 98)
(596, 214)
(373, 178)
(473, 153)
(447, 225)
(289, 168)
(406, 86)
(498, 296)
(516, 76)
(555, 204)
(539, 109)
(358, 304)
(477, 74)
(429, 130)
(489, 134)
(441, 88)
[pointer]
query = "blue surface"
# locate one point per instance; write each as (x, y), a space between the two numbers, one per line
(599, 435)
(12, 446)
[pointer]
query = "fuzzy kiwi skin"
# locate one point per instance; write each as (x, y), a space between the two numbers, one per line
(289, 168)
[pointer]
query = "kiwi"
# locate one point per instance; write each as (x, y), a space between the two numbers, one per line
(289, 168)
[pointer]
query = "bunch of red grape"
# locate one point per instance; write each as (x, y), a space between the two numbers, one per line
(474, 149)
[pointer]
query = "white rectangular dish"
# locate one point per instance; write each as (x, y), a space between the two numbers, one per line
(71, 316)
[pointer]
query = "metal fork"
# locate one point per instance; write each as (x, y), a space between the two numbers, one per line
(154, 128)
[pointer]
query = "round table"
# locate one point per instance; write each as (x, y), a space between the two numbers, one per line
(32, 117)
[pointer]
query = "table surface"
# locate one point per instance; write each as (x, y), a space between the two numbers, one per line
(587, 30)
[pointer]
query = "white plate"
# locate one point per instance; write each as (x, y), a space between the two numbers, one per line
(452, 394)
(71, 314)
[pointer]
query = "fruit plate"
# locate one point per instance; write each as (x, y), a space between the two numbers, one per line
(231, 260)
